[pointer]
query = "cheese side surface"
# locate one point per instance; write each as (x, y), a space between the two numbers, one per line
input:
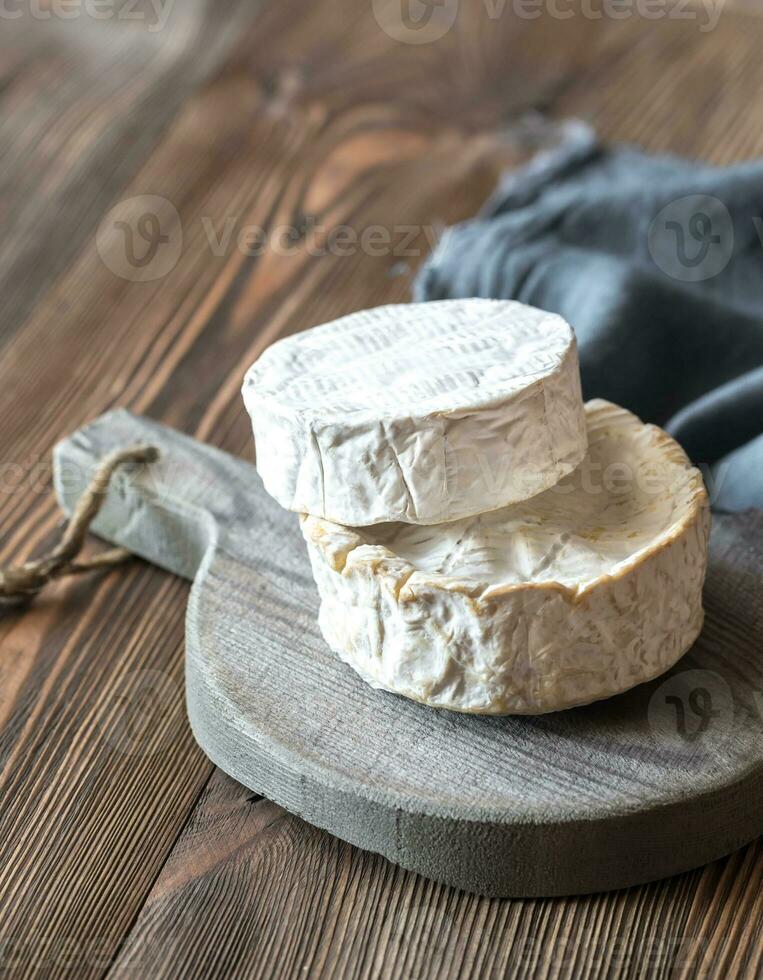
(421, 413)
(581, 593)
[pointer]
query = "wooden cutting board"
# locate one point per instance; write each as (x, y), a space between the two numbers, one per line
(656, 781)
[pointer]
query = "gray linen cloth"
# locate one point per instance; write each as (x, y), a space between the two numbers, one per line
(657, 262)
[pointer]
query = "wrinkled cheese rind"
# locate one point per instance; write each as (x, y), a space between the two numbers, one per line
(421, 413)
(576, 595)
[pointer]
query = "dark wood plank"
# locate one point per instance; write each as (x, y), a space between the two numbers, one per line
(97, 767)
(84, 101)
(308, 109)
(252, 891)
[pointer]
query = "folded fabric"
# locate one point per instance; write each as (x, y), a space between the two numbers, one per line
(657, 262)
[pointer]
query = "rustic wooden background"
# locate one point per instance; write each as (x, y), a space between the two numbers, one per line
(122, 850)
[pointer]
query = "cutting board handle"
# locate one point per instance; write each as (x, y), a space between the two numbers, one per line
(169, 512)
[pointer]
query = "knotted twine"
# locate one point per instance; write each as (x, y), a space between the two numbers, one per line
(20, 583)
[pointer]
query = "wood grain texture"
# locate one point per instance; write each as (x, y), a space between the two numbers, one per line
(294, 900)
(661, 779)
(297, 109)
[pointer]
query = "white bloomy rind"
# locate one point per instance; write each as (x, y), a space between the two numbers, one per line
(420, 413)
(581, 593)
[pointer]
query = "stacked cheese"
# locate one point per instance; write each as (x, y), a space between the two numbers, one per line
(481, 539)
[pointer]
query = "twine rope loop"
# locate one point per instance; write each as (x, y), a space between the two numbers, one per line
(20, 583)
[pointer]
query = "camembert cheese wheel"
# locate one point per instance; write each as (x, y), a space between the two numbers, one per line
(421, 413)
(580, 593)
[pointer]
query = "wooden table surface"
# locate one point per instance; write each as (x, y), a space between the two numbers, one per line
(122, 849)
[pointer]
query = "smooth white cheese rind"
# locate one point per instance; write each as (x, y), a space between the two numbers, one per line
(421, 413)
(470, 642)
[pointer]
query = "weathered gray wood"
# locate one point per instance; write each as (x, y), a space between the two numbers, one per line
(656, 781)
